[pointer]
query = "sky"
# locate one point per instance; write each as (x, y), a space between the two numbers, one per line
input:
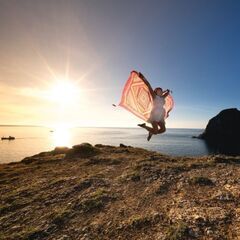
(66, 62)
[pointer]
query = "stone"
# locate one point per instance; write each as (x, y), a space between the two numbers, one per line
(82, 150)
(222, 133)
(60, 150)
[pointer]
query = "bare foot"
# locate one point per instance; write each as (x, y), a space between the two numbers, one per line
(142, 125)
(149, 136)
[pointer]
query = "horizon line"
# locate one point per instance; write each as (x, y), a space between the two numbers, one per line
(43, 126)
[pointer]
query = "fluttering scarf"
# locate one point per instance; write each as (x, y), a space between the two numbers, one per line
(137, 98)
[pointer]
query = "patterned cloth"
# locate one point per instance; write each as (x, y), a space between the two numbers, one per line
(137, 98)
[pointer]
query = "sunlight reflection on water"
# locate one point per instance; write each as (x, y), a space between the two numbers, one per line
(32, 140)
(62, 137)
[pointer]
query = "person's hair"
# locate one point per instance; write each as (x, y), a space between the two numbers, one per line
(158, 88)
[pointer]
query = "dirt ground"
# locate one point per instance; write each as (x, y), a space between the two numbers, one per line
(106, 192)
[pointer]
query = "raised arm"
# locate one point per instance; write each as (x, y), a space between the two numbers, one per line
(166, 93)
(148, 84)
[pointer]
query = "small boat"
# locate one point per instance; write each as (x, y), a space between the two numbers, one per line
(8, 138)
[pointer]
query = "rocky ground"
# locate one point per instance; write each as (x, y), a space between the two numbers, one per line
(106, 192)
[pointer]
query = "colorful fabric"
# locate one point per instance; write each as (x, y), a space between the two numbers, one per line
(137, 98)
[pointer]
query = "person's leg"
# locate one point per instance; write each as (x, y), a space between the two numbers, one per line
(153, 129)
(149, 136)
(162, 127)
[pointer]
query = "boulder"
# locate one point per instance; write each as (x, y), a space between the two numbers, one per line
(82, 150)
(60, 150)
(222, 133)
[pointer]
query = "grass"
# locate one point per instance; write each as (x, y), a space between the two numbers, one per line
(107, 201)
(62, 216)
(137, 221)
(15, 205)
(29, 232)
(135, 177)
(178, 232)
(163, 188)
(201, 181)
(95, 202)
(91, 204)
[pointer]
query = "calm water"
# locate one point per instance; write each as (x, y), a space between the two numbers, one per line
(32, 140)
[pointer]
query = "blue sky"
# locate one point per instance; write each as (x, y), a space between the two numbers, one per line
(191, 47)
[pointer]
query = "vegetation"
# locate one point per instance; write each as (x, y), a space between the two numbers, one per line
(106, 192)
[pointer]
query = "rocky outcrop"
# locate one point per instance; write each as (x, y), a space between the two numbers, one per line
(222, 133)
(106, 192)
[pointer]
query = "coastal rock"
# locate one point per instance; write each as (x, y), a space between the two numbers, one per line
(60, 150)
(82, 150)
(222, 132)
(146, 195)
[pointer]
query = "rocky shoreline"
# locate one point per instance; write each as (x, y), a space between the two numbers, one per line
(106, 192)
(222, 133)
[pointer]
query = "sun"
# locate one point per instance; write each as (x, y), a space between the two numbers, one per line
(63, 96)
(64, 92)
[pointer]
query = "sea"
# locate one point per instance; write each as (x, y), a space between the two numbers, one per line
(33, 140)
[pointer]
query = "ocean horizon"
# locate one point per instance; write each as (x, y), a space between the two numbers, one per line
(31, 140)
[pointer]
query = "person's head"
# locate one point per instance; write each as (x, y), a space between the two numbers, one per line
(158, 91)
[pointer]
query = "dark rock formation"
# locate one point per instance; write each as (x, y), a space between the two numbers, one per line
(222, 133)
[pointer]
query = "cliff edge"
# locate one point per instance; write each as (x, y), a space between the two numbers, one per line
(106, 192)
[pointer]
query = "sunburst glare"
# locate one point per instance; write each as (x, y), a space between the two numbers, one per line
(64, 92)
